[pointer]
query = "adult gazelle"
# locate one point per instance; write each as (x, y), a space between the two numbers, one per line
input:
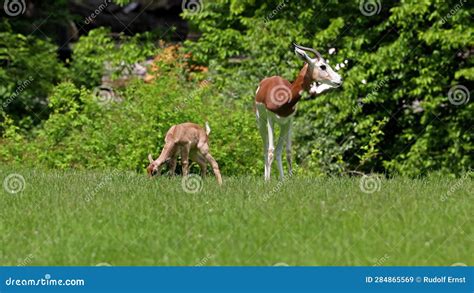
(276, 100)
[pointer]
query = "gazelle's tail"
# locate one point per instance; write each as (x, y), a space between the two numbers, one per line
(208, 128)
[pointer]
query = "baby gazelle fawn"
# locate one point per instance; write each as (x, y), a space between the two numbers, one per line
(191, 140)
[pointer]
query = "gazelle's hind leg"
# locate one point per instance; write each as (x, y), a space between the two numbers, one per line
(271, 146)
(284, 128)
(261, 114)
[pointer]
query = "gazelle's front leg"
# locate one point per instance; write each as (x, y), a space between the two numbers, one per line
(288, 149)
(284, 129)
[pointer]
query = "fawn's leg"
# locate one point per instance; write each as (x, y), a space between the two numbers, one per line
(202, 162)
(168, 151)
(204, 149)
(172, 164)
(185, 158)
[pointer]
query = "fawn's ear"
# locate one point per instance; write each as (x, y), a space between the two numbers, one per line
(150, 158)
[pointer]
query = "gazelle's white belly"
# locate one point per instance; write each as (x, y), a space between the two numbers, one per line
(261, 111)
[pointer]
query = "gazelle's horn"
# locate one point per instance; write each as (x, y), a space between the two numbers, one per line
(150, 158)
(309, 49)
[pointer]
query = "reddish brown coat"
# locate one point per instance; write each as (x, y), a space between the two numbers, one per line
(283, 106)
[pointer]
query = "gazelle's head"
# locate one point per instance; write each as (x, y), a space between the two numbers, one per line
(318, 68)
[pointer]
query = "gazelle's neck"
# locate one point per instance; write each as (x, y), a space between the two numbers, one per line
(302, 83)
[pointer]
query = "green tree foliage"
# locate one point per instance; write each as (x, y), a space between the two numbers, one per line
(28, 71)
(96, 50)
(87, 131)
(393, 112)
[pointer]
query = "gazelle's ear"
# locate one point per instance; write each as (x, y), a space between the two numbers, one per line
(150, 158)
(302, 54)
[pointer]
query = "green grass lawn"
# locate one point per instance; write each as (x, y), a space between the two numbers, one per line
(119, 218)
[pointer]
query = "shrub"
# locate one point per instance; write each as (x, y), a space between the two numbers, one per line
(83, 132)
(98, 50)
(28, 71)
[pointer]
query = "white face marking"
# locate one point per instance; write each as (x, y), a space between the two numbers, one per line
(320, 88)
(321, 71)
(326, 74)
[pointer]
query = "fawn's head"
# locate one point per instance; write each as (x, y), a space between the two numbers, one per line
(152, 168)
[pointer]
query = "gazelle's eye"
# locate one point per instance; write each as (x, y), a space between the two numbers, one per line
(323, 67)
